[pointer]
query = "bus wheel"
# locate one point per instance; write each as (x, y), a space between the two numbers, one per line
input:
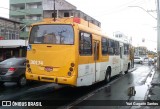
(108, 75)
(127, 69)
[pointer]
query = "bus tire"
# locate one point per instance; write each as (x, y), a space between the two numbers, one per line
(127, 68)
(108, 75)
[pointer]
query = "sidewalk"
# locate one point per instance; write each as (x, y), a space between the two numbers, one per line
(154, 92)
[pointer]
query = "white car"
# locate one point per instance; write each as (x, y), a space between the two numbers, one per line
(138, 60)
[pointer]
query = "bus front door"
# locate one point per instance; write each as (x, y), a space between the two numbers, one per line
(96, 58)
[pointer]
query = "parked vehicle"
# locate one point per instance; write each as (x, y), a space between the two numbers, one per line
(155, 59)
(13, 70)
(138, 60)
(151, 61)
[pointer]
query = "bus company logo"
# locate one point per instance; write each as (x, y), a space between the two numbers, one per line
(6, 103)
(48, 69)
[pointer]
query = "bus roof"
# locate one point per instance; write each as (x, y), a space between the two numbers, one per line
(69, 20)
(83, 24)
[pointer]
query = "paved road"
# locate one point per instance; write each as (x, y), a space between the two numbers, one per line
(139, 80)
(117, 89)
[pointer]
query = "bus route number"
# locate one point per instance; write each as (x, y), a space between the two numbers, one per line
(35, 62)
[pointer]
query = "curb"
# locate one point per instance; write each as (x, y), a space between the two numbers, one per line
(149, 87)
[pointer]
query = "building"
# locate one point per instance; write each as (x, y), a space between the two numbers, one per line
(141, 51)
(121, 36)
(65, 9)
(26, 11)
(31, 11)
(10, 45)
(9, 29)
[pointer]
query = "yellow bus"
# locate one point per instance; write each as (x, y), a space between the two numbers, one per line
(73, 52)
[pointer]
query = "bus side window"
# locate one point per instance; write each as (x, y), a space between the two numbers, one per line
(126, 49)
(104, 45)
(116, 48)
(111, 47)
(85, 44)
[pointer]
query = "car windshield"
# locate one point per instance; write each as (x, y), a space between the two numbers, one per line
(12, 61)
(51, 34)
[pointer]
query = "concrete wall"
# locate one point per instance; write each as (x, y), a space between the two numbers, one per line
(59, 5)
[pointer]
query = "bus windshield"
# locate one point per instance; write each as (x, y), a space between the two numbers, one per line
(51, 34)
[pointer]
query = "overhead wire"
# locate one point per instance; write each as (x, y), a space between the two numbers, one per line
(124, 5)
(121, 7)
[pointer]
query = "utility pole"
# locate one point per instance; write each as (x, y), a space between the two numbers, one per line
(54, 11)
(158, 34)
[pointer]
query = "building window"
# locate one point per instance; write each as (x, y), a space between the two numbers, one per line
(21, 8)
(17, 35)
(85, 44)
(3, 32)
(79, 15)
(10, 34)
(85, 18)
(21, 19)
(72, 14)
(13, 35)
(7, 34)
(98, 24)
(66, 14)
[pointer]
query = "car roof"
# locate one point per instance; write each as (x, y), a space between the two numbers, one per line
(12, 59)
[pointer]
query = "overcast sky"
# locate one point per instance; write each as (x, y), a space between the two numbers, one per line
(115, 15)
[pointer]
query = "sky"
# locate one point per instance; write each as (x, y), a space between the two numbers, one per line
(118, 15)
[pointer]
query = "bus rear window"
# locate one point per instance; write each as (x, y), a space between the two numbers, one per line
(51, 34)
